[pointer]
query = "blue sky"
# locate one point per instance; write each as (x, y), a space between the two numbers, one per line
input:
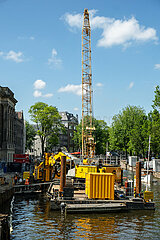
(40, 53)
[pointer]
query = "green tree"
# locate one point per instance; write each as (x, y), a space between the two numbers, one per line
(154, 131)
(77, 138)
(30, 135)
(48, 123)
(138, 143)
(129, 131)
(154, 123)
(101, 135)
(156, 101)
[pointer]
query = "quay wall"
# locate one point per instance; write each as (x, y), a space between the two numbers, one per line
(4, 227)
(6, 194)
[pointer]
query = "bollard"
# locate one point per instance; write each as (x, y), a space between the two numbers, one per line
(63, 208)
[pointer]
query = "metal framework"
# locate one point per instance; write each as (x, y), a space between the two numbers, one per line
(88, 145)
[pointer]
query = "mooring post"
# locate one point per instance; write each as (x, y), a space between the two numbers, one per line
(138, 178)
(63, 173)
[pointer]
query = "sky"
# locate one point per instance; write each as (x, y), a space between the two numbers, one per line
(41, 60)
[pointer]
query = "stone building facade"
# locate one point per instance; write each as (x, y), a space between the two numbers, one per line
(36, 150)
(9, 129)
(70, 122)
(20, 133)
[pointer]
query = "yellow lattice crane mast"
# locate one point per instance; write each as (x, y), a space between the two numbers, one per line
(88, 144)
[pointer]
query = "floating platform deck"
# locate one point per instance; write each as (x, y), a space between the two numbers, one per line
(81, 204)
(34, 188)
(95, 207)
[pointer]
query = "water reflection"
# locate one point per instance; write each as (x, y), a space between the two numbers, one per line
(32, 219)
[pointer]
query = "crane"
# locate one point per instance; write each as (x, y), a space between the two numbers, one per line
(88, 144)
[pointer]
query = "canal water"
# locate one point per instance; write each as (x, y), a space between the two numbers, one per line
(32, 219)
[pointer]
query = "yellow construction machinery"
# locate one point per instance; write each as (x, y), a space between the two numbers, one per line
(88, 141)
(82, 170)
(50, 167)
(88, 144)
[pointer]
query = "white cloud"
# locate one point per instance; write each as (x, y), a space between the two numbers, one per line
(114, 31)
(73, 20)
(39, 84)
(131, 85)
(16, 57)
(157, 66)
(37, 93)
(54, 60)
(99, 84)
(48, 95)
(125, 32)
(76, 89)
(1, 53)
(76, 109)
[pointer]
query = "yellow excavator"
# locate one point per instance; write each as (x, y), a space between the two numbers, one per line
(50, 167)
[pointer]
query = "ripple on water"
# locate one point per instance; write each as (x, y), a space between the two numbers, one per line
(32, 219)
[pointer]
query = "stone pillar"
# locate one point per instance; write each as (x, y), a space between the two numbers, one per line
(5, 124)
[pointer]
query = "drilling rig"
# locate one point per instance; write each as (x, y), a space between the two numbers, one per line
(88, 144)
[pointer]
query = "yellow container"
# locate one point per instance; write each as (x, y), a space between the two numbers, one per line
(100, 185)
(26, 175)
(81, 170)
(148, 195)
(114, 170)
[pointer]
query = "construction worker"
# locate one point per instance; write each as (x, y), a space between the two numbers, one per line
(15, 179)
(27, 181)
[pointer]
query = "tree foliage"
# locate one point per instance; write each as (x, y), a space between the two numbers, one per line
(128, 131)
(154, 124)
(156, 101)
(101, 136)
(154, 131)
(30, 135)
(48, 123)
